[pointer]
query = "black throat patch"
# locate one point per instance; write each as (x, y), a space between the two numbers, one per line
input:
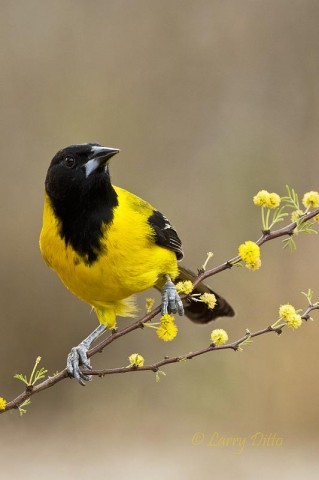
(83, 221)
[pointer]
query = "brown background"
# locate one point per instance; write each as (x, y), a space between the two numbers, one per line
(209, 101)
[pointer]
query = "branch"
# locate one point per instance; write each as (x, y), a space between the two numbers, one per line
(115, 335)
(266, 237)
(32, 390)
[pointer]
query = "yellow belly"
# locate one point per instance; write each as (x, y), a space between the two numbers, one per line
(129, 262)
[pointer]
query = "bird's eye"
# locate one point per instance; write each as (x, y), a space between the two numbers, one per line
(69, 162)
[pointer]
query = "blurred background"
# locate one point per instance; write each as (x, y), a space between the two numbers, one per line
(209, 102)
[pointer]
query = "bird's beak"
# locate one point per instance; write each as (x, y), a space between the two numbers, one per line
(99, 157)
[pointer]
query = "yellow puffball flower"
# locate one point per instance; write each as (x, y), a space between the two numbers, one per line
(316, 218)
(219, 336)
(184, 287)
(311, 199)
(136, 360)
(266, 199)
(167, 330)
(286, 311)
(254, 264)
(294, 321)
(273, 200)
(3, 403)
(249, 252)
(261, 199)
(209, 299)
(296, 214)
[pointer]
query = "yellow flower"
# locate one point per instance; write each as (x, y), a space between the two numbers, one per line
(261, 199)
(209, 299)
(266, 199)
(249, 252)
(3, 403)
(254, 264)
(219, 336)
(316, 218)
(311, 199)
(273, 200)
(286, 311)
(294, 321)
(167, 330)
(184, 287)
(136, 360)
(296, 214)
(149, 304)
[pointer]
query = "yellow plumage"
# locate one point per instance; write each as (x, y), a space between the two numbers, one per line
(129, 261)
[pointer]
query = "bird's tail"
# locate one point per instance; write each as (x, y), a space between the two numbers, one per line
(199, 312)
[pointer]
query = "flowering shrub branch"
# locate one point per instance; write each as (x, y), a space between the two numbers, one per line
(249, 252)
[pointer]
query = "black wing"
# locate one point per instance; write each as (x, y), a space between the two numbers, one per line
(164, 234)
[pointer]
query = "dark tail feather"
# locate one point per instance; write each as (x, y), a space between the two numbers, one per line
(199, 312)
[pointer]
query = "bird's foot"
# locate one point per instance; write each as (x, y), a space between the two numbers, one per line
(171, 301)
(77, 357)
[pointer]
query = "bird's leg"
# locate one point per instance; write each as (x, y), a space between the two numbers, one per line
(78, 356)
(171, 302)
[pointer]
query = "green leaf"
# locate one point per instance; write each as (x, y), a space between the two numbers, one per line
(20, 376)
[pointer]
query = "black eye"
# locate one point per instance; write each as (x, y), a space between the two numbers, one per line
(69, 162)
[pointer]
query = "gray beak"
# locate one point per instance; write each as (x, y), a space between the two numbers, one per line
(99, 157)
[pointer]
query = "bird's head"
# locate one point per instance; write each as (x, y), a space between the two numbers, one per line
(78, 170)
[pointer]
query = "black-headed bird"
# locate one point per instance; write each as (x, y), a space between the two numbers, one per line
(107, 244)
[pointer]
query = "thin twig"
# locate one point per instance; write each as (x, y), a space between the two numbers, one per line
(266, 237)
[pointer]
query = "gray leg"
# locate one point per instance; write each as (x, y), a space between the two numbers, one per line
(78, 356)
(171, 302)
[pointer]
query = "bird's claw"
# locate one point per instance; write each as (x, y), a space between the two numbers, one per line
(77, 357)
(171, 301)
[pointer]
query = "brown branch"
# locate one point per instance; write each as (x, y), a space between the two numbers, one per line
(166, 361)
(50, 381)
(212, 347)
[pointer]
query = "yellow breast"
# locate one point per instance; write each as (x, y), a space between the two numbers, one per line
(129, 261)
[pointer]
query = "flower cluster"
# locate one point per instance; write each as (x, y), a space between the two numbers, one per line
(209, 299)
(288, 313)
(185, 287)
(167, 329)
(219, 336)
(311, 199)
(3, 403)
(249, 252)
(136, 360)
(266, 199)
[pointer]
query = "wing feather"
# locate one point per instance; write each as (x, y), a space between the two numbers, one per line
(165, 234)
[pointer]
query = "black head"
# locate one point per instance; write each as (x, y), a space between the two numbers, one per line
(79, 187)
(78, 170)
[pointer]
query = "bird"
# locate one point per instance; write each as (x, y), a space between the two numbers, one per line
(107, 244)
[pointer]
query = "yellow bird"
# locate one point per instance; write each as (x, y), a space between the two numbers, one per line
(107, 244)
